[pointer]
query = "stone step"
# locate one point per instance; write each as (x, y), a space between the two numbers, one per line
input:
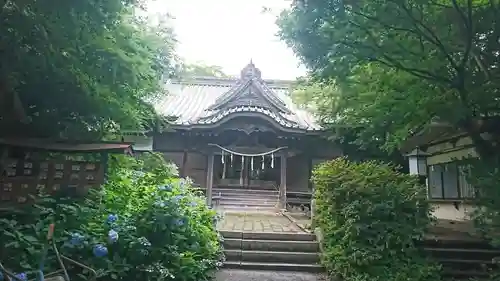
(251, 206)
(471, 254)
(224, 191)
(267, 236)
(272, 257)
(272, 245)
(246, 202)
(247, 209)
(316, 268)
(245, 196)
(245, 199)
(245, 187)
(254, 197)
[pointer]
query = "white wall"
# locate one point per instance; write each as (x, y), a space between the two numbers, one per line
(448, 211)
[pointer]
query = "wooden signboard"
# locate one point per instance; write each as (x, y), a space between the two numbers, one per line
(25, 177)
(29, 167)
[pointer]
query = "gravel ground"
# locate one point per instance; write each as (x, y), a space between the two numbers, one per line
(260, 275)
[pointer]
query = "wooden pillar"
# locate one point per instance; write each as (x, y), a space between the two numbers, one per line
(210, 177)
(246, 179)
(184, 162)
(242, 171)
(282, 191)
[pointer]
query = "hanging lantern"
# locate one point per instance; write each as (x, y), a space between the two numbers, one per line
(262, 164)
(231, 156)
(251, 164)
(272, 160)
(222, 157)
(417, 160)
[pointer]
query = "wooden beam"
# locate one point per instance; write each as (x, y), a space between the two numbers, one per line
(210, 177)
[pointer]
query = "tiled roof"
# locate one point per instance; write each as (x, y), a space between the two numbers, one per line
(65, 145)
(204, 101)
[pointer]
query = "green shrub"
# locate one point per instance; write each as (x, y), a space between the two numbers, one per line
(143, 225)
(485, 177)
(370, 217)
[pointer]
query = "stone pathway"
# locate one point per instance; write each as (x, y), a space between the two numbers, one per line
(261, 222)
(260, 275)
(258, 222)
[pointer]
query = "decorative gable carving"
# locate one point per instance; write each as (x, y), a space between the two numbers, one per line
(251, 91)
(248, 97)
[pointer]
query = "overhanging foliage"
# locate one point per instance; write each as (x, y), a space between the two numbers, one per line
(80, 68)
(400, 63)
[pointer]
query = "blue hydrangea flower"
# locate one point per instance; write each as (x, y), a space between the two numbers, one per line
(167, 187)
(177, 198)
(144, 242)
(22, 276)
(100, 251)
(182, 184)
(160, 204)
(137, 174)
(76, 239)
(179, 222)
(193, 204)
(112, 218)
(112, 236)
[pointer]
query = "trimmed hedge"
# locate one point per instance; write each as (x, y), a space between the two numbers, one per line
(370, 216)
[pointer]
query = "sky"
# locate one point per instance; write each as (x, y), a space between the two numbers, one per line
(230, 33)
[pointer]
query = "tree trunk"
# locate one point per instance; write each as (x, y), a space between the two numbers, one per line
(485, 148)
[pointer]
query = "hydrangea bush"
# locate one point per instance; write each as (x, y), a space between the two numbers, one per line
(143, 225)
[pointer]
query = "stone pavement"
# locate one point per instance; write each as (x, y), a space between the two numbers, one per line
(257, 222)
(260, 275)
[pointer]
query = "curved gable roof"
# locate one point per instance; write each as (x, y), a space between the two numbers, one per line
(203, 101)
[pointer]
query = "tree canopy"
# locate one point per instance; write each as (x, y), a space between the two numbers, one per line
(201, 69)
(79, 68)
(386, 68)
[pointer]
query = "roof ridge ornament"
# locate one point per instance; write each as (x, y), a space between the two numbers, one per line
(250, 71)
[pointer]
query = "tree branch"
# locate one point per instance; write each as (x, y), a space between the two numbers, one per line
(469, 32)
(431, 36)
(390, 62)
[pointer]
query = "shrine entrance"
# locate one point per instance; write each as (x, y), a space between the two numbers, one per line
(238, 168)
(243, 133)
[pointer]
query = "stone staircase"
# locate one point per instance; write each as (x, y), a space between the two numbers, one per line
(239, 198)
(463, 260)
(271, 251)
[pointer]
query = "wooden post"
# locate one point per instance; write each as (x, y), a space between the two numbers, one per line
(210, 177)
(242, 170)
(282, 191)
(184, 162)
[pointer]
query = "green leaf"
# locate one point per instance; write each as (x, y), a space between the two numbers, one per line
(30, 239)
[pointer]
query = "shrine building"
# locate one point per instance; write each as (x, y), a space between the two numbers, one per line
(241, 133)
